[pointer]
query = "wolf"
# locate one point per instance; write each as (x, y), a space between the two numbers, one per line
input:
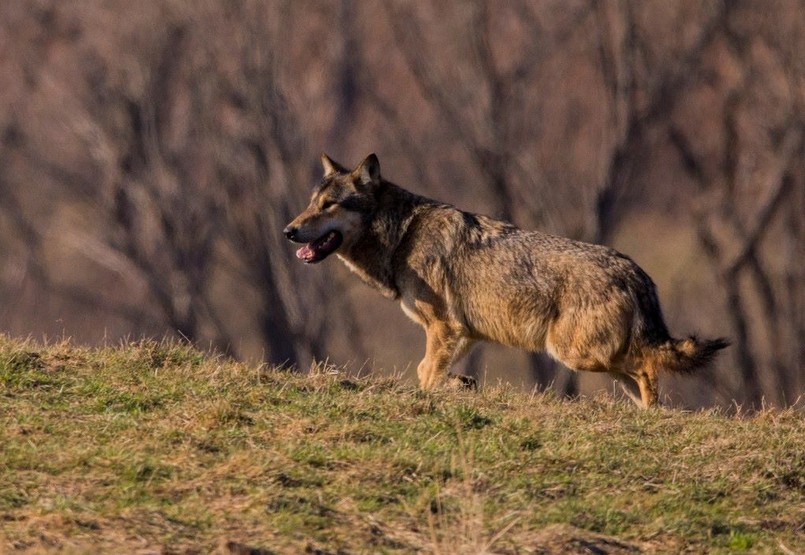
(467, 278)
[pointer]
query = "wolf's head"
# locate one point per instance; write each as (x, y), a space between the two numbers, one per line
(338, 209)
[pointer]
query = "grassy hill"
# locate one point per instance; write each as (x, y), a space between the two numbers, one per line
(154, 447)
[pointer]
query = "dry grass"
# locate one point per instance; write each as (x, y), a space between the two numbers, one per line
(154, 447)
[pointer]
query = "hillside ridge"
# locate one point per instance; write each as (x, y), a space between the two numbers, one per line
(158, 447)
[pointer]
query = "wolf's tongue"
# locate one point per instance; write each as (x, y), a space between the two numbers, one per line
(305, 253)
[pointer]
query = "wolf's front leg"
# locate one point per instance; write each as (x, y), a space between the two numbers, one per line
(443, 347)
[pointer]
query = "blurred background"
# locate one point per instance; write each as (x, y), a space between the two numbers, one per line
(151, 153)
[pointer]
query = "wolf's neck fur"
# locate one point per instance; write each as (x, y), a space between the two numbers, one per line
(372, 254)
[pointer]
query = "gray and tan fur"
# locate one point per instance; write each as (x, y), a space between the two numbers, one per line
(467, 278)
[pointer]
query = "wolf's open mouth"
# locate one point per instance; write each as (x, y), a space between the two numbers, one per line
(321, 248)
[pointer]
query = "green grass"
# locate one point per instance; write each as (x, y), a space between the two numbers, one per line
(155, 446)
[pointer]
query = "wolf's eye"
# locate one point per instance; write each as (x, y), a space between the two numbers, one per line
(327, 204)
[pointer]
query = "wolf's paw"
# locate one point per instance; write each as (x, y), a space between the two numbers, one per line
(458, 381)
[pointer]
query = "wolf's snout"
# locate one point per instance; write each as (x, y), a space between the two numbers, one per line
(290, 232)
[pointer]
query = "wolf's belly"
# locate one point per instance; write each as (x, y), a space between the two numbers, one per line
(511, 330)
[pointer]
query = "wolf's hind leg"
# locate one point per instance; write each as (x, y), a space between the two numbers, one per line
(443, 347)
(639, 383)
(647, 381)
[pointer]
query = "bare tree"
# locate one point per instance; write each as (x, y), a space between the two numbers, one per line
(741, 201)
(178, 196)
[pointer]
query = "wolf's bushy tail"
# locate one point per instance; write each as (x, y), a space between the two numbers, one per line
(684, 356)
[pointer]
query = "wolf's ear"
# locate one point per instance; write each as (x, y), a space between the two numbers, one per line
(331, 166)
(368, 171)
